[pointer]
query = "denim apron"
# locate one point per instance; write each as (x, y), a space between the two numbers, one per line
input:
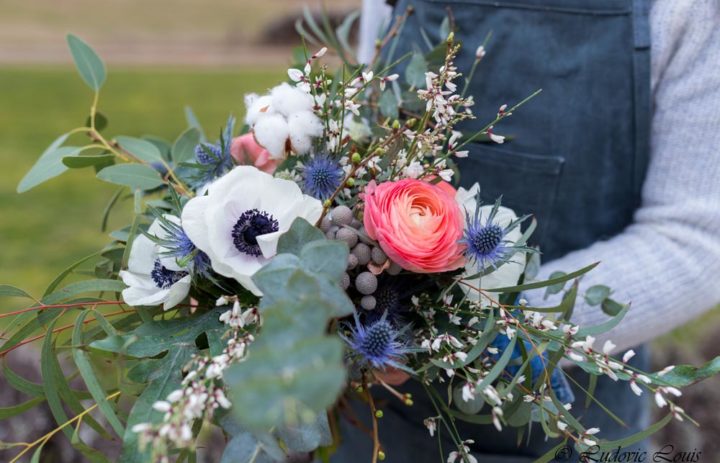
(577, 160)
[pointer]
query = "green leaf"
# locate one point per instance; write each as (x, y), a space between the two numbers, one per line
(59, 279)
(637, 437)
(246, 448)
(470, 407)
(141, 149)
(87, 62)
(603, 327)
(101, 121)
(557, 287)
(9, 412)
(597, 294)
(49, 165)
(611, 307)
(80, 287)
(543, 284)
(328, 258)
(79, 162)
(415, 71)
(52, 376)
(301, 232)
(306, 437)
(194, 123)
(135, 176)
(685, 375)
(82, 361)
(183, 149)
(389, 104)
(343, 31)
(12, 291)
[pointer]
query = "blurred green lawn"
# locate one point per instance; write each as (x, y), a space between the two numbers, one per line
(50, 227)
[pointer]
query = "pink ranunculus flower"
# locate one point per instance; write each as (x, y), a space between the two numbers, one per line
(247, 151)
(418, 224)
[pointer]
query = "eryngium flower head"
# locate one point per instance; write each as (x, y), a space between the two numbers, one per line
(213, 160)
(377, 344)
(321, 177)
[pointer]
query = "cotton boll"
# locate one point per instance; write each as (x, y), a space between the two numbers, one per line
(272, 132)
(303, 125)
(288, 100)
(257, 106)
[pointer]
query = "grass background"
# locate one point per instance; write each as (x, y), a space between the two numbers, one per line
(50, 227)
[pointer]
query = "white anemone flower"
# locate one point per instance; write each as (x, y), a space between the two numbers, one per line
(283, 121)
(238, 223)
(152, 278)
(506, 274)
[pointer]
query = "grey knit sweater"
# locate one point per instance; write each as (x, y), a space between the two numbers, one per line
(667, 262)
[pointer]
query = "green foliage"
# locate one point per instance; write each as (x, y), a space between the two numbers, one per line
(294, 370)
(685, 375)
(143, 150)
(135, 176)
(88, 63)
(183, 149)
(415, 70)
(49, 165)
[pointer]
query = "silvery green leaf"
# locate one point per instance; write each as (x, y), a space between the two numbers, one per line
(611, 307)
(88, 63)
(183, 149)
(388, 104)
(141, 149)
(49, 165)
(557, 287)
(300, 233)
(246, 448)
(595, 295)
(135, 176)
(415, 71)
(328, 258)
(306, 437)
(472, 406)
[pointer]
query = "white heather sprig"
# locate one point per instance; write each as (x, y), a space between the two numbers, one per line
(201, 391)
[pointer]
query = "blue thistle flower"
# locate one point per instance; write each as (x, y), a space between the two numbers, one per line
(321, 177)
(213, 160)
(178, 245)
(378, 344)
(486, 240)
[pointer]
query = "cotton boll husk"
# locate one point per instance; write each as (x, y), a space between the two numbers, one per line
(272, 131)
(257, 106)
(303, 126)
(288, 100)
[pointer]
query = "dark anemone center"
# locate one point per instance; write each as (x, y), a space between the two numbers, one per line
(487, 239)
(249, 226)
(164, 277)
(378, 338)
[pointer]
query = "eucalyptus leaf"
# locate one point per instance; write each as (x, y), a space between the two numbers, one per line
(557, 287)
(246, 448)
(597, 294)
(135, 176)
(306, 437)
(183, 150)
(611, 306)
(12, 291)
(301, 232)
(685, 375)
(470, 407)
(142, 149)
(88, 63)
(389, 105)
(78, 162)
(415, 71)
(49, 165)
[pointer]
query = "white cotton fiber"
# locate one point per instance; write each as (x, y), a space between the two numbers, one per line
(303, 125)
(272, 132)
(256, 106)
(288, 100)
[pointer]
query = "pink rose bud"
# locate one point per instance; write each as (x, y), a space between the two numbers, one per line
(418, 224)
(247, 151)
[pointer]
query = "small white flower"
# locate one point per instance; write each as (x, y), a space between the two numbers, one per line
(660, 400)
(480, 52)
(162, 406)
(296, 75)
(628, 355)
(238, 223)
(413, 170)
(431, 425)
(152, 278)
(468, 392)
(635, 388)
(499, 139)
(666, 370)
(608, 347)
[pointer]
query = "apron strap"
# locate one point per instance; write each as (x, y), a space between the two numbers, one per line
(643, 110)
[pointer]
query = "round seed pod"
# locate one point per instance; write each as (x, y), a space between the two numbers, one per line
(345, 281)
(362, 252)
(366, 283)
(356, 224)
(368, 302)
(378, 256)
(326, 223)
(362, 234)
(341, 215)
(348, 235)
(352, 261)
(394, 269)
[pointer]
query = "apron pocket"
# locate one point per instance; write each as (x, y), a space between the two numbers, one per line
(528, 183)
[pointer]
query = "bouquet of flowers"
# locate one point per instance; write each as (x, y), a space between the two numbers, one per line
(318, 256)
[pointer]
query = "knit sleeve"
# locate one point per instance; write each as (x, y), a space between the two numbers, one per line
(667, 262)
